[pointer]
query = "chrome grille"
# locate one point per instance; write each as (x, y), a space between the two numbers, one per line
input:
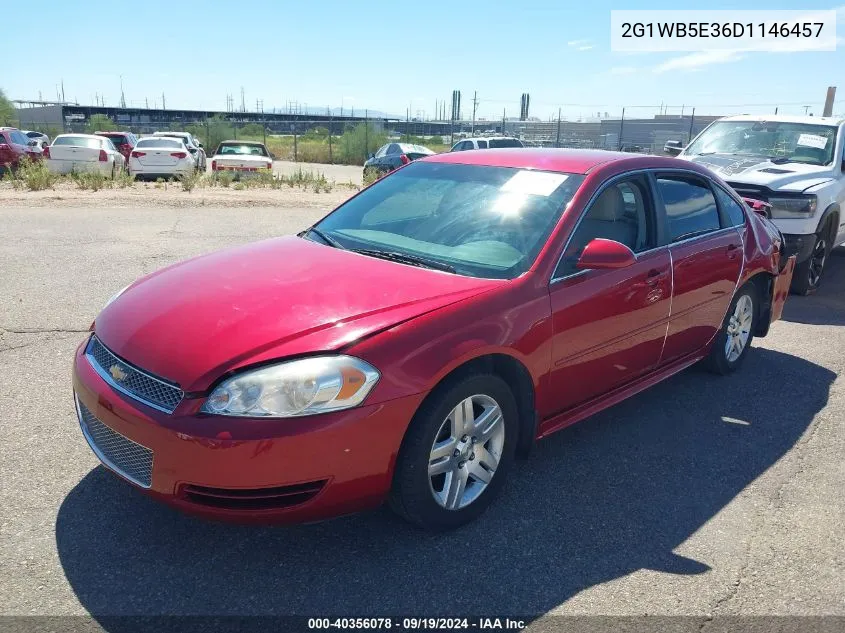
(127, 458)
(132, 381)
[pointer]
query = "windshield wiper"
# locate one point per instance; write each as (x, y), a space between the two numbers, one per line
(328, 240)
(404, 258)
(780, 160)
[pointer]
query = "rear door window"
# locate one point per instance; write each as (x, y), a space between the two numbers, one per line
(504, 142)
(482, 144)
(690, 206)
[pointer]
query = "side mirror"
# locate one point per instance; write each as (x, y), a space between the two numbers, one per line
(272, 155)
(602, 254)
(200, 145)
(371, 155)
(673, 148)
(33, 143)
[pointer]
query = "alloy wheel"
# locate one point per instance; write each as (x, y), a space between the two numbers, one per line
(817, 260)
(739, 328)
(466, 452)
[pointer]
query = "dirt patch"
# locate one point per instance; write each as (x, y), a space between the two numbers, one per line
(172, 195)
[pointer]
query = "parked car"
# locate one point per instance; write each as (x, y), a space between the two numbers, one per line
(15, 146)
(83, 152)
(495, 142)
(193, 145)
(42, 140)
(673, 147)
(797, 165)
(124, 142)
(408, 345)
(241, 157)
(161, 157)
(392, 155)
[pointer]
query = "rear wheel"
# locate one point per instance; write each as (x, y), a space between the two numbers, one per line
(734, 338)
(808, 274)
(456, 454)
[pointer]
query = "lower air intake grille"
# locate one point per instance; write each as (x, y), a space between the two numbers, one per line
(127, 458)
(253, 498)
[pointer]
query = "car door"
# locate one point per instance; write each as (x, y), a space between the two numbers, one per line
(706, 260)
(7, 154)
(610, 325)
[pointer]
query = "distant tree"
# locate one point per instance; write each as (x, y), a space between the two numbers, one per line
(100, 122)
(8, 114)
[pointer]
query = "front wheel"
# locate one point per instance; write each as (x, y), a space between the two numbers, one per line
(808, 274)
(734, 338)
(456, 454)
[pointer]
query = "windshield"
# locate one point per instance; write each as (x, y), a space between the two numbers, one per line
(785, 142)
(242, 148)
(482, 221)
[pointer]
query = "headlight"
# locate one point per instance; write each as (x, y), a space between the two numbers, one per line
(115, 296)
(798, 207)
(295, 388)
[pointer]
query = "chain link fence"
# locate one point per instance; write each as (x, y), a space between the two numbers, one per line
(348, 140)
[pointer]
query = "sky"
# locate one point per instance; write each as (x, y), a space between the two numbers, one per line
(396, 57)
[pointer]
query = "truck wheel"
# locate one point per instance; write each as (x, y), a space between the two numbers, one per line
(808, 274)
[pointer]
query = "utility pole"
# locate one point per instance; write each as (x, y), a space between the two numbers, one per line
(63, 90)
(147, 102)
(122, 95)
(806, 108)
(504, 111)
(243, 101)
(163, 102)
(828, 102)
(621, 128)
(474, 108)
(691, 122)
(557, 143)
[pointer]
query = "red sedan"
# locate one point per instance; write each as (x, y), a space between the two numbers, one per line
(417, 339)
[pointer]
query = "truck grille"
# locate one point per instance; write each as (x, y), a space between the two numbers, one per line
(132, 381)
(750, 191)
(125, 457)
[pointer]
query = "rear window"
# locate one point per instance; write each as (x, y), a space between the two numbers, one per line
(117, 139)
(19, 138)
(504, 142)
(243, 149)
(79, 141)
(168, 143)
(34, 134)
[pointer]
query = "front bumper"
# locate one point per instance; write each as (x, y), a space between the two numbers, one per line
(799, 245)
(251, 470)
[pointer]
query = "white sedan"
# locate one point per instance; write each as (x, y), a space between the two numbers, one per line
(161, 157)
(241, 157)
(83, 152)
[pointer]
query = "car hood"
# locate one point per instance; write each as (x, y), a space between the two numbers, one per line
(196, 320)
(758, 170)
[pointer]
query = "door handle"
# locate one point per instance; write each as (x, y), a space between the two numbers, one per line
(732, 250)
(653, 277)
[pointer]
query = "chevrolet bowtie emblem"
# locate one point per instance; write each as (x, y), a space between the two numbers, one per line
(117, 373)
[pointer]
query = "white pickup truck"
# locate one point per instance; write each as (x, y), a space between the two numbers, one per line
(794, 163)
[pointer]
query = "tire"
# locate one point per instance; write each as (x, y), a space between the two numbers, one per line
(422, 498)
(723, 359)
(808, 274)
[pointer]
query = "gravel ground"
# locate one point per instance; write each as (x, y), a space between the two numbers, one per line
(704, 496)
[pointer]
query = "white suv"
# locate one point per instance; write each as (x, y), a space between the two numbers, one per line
(490, 142)
(797, 165)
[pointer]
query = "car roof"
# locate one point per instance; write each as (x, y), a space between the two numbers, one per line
(171, 133)
(786, 118)
(571, 161)
(111, 133)
(488, 138)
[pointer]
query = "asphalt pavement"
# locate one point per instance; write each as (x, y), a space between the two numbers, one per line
(704, 496)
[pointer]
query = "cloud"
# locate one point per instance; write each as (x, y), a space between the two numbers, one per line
(623, 70)
(696, 61)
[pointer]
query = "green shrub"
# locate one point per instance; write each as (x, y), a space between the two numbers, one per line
(190, 181)
(31, 175)
(93, 180)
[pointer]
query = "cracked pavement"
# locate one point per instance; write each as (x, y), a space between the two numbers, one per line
(704, 496)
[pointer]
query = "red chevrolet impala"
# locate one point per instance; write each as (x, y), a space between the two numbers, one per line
(414, 341)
